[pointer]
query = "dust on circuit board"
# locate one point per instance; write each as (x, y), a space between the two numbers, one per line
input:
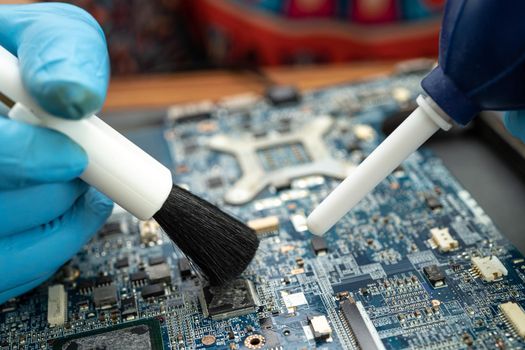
(416, 265)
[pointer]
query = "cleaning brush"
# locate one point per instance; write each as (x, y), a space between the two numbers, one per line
(220, 245)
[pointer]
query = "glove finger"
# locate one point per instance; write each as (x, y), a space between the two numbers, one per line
(29, 207)
(62, 53)
(515, 123)
(33, 252)
(25, 287)
(31, 155)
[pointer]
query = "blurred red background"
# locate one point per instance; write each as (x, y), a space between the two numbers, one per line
(174, 35)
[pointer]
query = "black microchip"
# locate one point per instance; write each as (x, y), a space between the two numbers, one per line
(184, 268)
(283, 186)
(85, 284)
(103, 280)
(121, 263)
(152, 290)
(235, 298)
(214, 182)
(129, 307)
(105, 295)
(435, 276)
(432, 202)
(127, 303)
(282, 94)
(156, 260)
(159, 273)
(110, 229)
(319, 245)
(138, 276)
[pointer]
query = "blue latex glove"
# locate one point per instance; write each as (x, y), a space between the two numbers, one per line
(46, 213)
(515, 122)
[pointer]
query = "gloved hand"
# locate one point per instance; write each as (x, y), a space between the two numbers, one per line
(515, 122)
(46, 213)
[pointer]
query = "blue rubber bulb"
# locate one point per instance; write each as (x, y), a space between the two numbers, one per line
(481, 58)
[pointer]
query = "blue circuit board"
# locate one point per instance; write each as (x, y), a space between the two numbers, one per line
(416, 265)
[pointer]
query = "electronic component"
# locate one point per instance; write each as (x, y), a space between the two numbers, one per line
(299, 222)
(264, 226)
(282, 94)
(515, 316)
(214, 182)
(191, 112)
(149, 232)
(138, 335)
(129, 308)
(443, 240)
(152, 290)
(489, 268)
(111, 228)
(105, 296)
(320, 327)
(138, 277)
(364, 132)
(103, 280)
(434, 275)
(292, 301)
(432, 202)
(122, 263)
(159, 273)
(185, 268)
(359, 324)
(319, 245)
(156, 260)
(56, 305)
(235, 298)
(85, 286)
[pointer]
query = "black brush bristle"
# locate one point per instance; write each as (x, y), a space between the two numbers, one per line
(220, 245)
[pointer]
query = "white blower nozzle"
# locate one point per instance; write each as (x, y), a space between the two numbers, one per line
(407, 138)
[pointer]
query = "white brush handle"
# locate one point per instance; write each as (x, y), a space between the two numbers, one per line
(117, 167)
